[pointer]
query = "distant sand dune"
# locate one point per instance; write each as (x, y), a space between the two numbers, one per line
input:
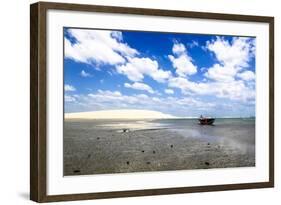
(119, 114)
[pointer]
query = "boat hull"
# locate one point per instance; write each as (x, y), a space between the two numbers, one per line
(206, 121)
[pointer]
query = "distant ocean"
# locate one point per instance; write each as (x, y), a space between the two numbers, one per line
(181, 123)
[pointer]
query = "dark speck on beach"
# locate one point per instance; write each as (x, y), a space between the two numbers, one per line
(172, 146)
(142, 151)
(128, 162)
(89, 155)
(207, 163)
(126, 130)
(147, 162)
(76, 171)
(153, 152)
(98, 138)
(208, 143)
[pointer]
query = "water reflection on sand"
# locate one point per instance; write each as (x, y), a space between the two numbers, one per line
(239, 138)
(237, 133)
(132, 125)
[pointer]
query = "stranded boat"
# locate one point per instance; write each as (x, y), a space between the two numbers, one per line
(206, 120)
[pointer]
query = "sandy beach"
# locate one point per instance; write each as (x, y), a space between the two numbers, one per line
(101, 150)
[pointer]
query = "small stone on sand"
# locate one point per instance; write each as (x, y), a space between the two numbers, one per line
(128, 162)
(126, 130)
(76, 171)
(207, 163)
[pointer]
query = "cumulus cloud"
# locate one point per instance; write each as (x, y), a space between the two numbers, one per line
(140, 86)
(247, 75)
(68, 87)
(117, 35)
(178, 48)
(169, 91)
(234, 53)
(221, 73)
(85, 74)
(106, 99)
(114, 97)
(234, 90)
(160, 75)
(69, 98)
(181, 61)
(233, 60)
(107, 47)
(233, 57)
(97, 46)
(136, 68)
(227, 78)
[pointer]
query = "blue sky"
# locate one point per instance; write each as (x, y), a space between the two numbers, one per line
(179, 74)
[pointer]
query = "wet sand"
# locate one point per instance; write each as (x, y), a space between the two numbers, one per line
(101, 151)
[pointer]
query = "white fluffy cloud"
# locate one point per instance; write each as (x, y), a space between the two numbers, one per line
(247, 75)
(117, 35)
(233, 57)
(69, 98)
(233, 61)
(221, 73)
(236, 53)
(107, 47)
(117, 98)
(136, 68)
(85, 74)
(69, 87)
(105, 99)
(113, 97)
(178, 48)
(97, 46)
(228, 78)
(160, 75)
(181, 61)
(139, 86)
(234, 90)
(169, 91)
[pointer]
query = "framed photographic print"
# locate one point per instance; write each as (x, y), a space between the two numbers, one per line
(134, 102)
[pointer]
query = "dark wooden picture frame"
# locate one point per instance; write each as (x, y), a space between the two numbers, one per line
(38, 101)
